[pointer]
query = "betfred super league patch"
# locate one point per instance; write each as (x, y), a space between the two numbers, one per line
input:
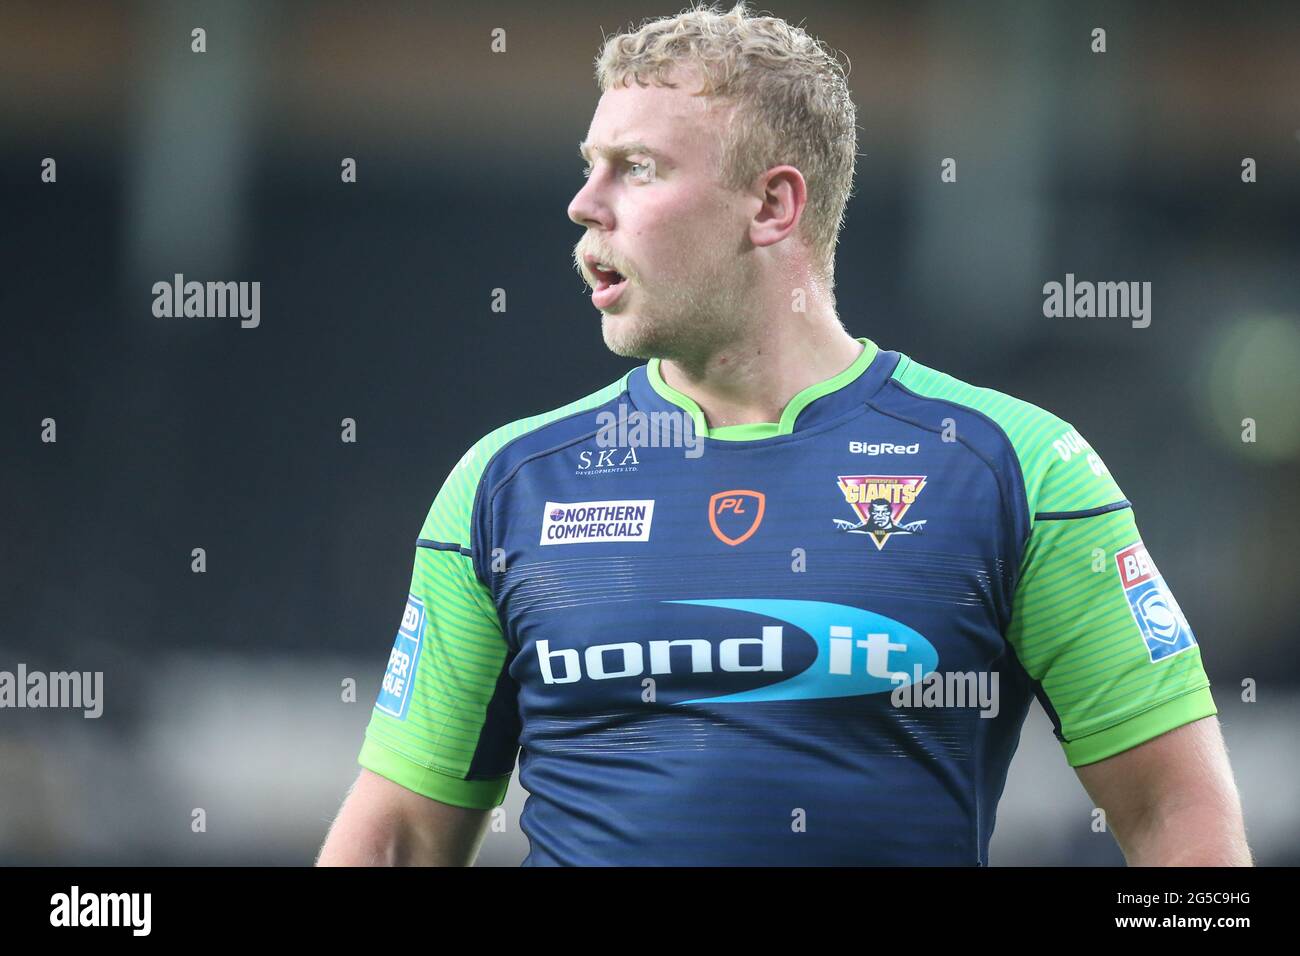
(395, 694)
(1158, 616)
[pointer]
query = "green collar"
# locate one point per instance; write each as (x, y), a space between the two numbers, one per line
(756, 430)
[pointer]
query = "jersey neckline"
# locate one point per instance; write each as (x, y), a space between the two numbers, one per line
(760, 430)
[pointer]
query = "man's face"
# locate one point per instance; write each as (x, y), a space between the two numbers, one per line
(656, 212)
(882, 516)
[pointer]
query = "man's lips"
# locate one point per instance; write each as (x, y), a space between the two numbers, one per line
(611, 275)
(607, 284)
(605, 294)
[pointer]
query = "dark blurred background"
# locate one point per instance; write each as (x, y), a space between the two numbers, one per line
(222, 689)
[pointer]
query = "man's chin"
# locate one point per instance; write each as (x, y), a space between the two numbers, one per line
(625, 336)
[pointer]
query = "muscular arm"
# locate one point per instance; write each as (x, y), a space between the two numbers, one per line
(382, 823)
(1172, 800)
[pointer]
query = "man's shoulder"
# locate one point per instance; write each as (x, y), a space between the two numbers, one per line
(451, 512)
(538, 429)
(1022, 422)
(1051, 454)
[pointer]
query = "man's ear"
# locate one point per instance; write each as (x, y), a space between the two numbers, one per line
(783, 194)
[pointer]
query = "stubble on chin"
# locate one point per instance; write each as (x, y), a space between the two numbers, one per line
(620, 338)
(685, 328)
(642, 336)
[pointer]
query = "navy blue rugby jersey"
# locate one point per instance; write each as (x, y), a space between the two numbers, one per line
(811, 641)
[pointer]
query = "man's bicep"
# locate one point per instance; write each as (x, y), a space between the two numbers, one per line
(1172, 800)
(382, 823)
(1175, 766)
(382, 797)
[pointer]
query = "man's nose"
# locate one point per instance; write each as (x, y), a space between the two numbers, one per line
(587, 208)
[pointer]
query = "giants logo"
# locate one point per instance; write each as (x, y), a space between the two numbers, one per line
(880, 501)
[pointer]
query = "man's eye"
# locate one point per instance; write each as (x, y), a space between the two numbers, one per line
(644, 170)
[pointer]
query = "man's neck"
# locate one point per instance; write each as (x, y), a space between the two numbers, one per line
(753, 379)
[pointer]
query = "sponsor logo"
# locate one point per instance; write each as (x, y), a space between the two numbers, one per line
(606, 461)
(740, 511)
(591, 522)
(883, 448)
(395, 694)
(1071, 444)
(1158, 616)
(858, 652)
(880, 501)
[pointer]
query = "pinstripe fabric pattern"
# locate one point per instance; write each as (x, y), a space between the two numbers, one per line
(463, 649)
(1072, 626)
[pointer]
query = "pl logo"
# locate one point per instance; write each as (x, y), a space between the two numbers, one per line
(735, 515)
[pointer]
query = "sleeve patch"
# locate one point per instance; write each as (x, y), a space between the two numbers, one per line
(1158, 616)
(395, 694)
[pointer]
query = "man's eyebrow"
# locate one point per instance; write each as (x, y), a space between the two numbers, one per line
(618, 149)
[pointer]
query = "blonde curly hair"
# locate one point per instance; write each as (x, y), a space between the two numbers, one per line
(792, 104)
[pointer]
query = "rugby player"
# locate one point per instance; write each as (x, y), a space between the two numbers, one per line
(779, 595)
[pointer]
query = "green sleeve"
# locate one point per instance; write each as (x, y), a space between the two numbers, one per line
(1116, 660)
(429, 730)
(1117, 665)
(427, 726)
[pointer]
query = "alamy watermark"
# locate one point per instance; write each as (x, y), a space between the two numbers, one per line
(75, 909)
(947, 689)
(637, 429)
(1100, 300)
(82, 690)
(208, 300)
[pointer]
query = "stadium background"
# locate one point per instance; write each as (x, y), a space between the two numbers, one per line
(222, 689)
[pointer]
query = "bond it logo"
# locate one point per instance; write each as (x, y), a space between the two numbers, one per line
(858, 652)
(880, 501)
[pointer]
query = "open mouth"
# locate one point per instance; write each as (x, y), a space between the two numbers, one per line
(610, 284)
(605, 276)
